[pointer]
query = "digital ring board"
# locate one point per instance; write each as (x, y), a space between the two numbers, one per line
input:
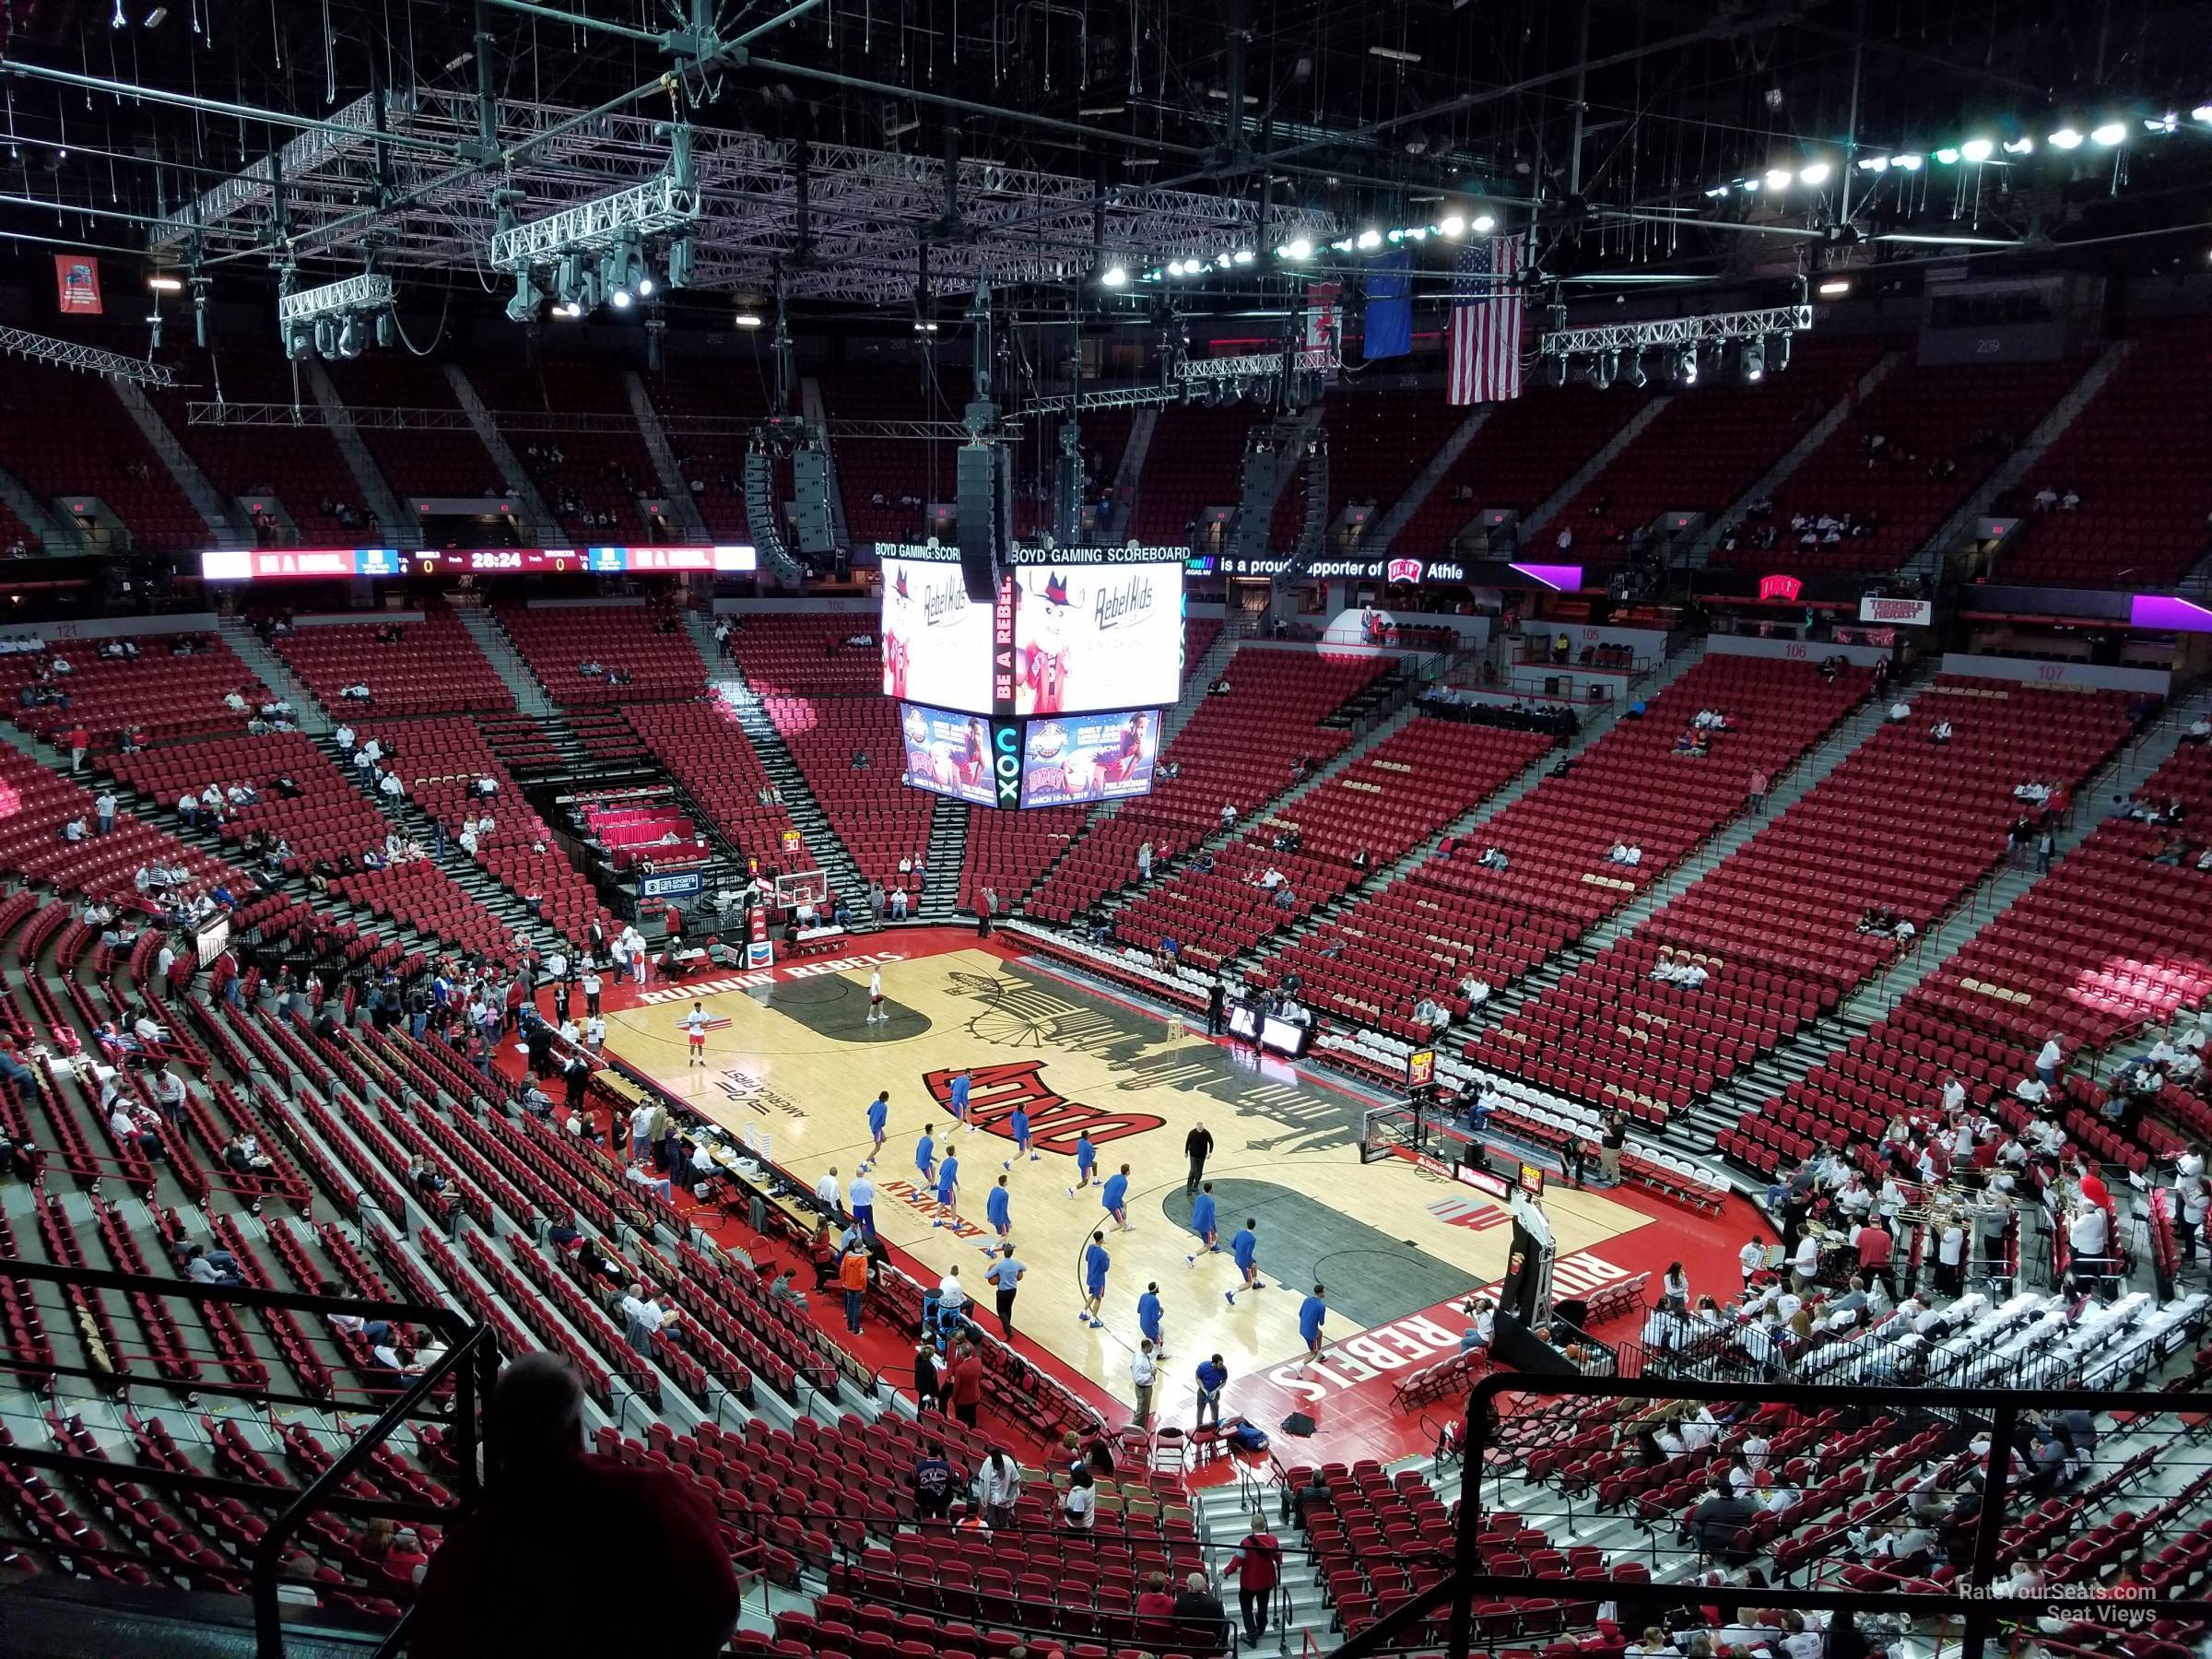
(1053, 760)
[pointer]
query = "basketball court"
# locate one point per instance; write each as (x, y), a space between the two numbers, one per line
(798, 1060)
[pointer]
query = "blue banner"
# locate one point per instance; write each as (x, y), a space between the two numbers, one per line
(1390, 306)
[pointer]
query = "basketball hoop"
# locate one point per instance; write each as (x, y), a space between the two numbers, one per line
(804, 887)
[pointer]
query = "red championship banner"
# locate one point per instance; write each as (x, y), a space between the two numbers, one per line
(76, 283)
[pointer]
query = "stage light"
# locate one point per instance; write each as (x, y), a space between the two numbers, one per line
(1603, 366)
(1453, 224)
(2201, 112)
(2107, 133)
(1298, 247)
(1749, 186)
(1114, 277)
(1632, 372)
(2065, 138)
(165, 285)
(1483, 224)
(1778, 351)
(1222, 260)
(746, 319)
(1753, 361)
(1835, 288)
(350, 336)
(1243, 257)
(619, 299)
(1817, 174)
(1874, 164)
(521, 306)
(1778, 178)
(1947, 156)
(1716, 192)
(1369, 240)
(645, 286)
(2019, 146)
(1555, 371)
(1977, 149)
(1908, 162)
(2167, 123)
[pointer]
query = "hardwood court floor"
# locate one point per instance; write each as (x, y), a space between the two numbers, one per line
(798, 1063)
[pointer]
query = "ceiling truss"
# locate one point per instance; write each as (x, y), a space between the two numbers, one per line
(866, 211)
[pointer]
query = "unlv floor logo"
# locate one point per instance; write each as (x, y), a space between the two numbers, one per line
(1017, 1015)
(1054, 1120)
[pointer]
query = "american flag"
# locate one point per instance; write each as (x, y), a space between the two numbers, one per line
(1486, 321)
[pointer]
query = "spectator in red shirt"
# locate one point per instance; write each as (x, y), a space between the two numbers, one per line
(1874, 1246)
(80, 741)
(1258, 1567)
(1153, 1601)
(524, 1573)
(967, 1386)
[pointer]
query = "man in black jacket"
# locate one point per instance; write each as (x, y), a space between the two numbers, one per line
(1199, 1606)
(1197, 1145)
(1214, 999)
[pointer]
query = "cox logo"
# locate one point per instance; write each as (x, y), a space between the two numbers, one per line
(1006, 763)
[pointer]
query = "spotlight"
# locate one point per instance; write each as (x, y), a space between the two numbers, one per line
(1835, 288)
(1750, 187)
(2167, 123)
(1114, 277)
(1908, 162)
(350, 336)
(1681, 366)
(2109, 134)
(1603, 366)
(619, 299)
(1817, 174)
(1369, 240)
(1874, 164)
(645, 284)
(1947, 156)
(1453, 224)
(1243, 257)
(2201, 112)
(1778, 351)
(1778, 178)
(2019, 146)
(1222, 260)
(1298, 247)
(1716, 192)
(571, 310)
(523, 306)
(1977, 149)
(1752, 361)
(165, 285)
(746, 319)
(1632, 372)
(1555, 371)
(2066, 137)
(1483, 224)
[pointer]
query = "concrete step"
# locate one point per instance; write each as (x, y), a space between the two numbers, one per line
(308, 714)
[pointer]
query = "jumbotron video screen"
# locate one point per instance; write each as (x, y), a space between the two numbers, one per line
(1092, 637)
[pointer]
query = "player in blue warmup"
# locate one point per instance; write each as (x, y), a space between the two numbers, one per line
(1310, 1312)
(1017, 1126)
(1115, 1198)
(1147, 1320)
(948, 1188)
(1245, 1249)
(1204, 1225)
(1095, 1263)
(926, 1158)
(1086, 1159)
(999, 1209)
(880, 1114)
(958, 1101)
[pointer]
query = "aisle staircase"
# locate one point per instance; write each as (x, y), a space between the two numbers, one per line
(1928, 562)
(1709, 537)
(308, 714)
(1551, 508)
(782, 770)
(539, 520)
(1694, 1130)
(399, 525)
(682, 510)
(182, 466)
(1384, 529)
(53, 534)
(948, 850)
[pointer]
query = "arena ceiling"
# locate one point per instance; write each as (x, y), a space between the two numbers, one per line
(1659, 140)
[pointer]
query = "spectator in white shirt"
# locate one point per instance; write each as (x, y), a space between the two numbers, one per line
(2048, 1058)
(825, 1193)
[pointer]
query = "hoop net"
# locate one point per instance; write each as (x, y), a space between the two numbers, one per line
(806, 886)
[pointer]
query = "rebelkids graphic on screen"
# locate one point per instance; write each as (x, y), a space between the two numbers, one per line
(1086, 642)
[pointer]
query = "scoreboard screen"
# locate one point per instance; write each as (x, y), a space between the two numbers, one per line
(949, 753)
(936, 641)
(1096, 637)
(278, 564)
(1076, 759)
